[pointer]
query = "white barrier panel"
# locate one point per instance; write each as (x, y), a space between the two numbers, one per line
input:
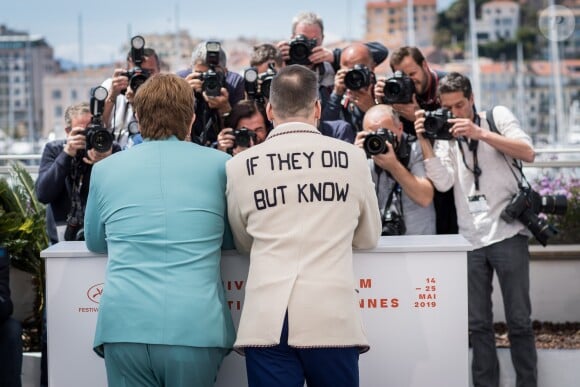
(413, 297)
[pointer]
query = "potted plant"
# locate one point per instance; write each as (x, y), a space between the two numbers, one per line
(23, 234)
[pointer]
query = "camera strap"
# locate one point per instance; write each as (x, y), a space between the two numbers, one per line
(395, 190)
(472, 145)
(516, 163)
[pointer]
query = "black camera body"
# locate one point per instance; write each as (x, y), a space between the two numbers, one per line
(244, 137)
(437, 125)
(265, 80)
(525, 207)
(257, 86)
(359, 77)
(398, 89)
(213, 81)
(393, 224)
(97, 135)
(374, 142)
(300, 49)
(137, 76)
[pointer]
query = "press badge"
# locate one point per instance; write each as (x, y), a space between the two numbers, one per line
(477, 204)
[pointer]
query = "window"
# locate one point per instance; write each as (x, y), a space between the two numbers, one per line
(56, 94)
(58, 111)
(73, 94)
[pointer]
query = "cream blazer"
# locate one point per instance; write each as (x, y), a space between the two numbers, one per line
(298, 204)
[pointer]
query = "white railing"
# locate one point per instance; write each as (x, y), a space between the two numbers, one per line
(32, 161)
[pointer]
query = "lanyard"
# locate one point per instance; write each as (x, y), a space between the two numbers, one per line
(472, 146)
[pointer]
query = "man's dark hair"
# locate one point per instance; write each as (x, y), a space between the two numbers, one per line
(147, 53)
(294, 91)
(454, 82)
(244, 109)
(401, 53)
(264, 53)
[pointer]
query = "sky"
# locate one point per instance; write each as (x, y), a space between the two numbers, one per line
(108, 24)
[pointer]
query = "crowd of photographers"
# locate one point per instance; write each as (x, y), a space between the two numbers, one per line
(432, 155)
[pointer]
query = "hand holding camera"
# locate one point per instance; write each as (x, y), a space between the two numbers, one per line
(75, 141)
(119, 84)
(235, 141)
(339, 86)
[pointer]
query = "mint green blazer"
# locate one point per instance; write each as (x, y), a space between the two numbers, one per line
(159, 210)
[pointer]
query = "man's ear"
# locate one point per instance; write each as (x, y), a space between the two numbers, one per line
(317, 109)
(192, 121)
(269, 112)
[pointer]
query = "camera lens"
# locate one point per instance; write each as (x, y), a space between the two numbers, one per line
(539, 227)
(554, 204)
(102, 140)
(299, 53)
(355, 80)
(136, 81)
(374, 144)
(392, 89)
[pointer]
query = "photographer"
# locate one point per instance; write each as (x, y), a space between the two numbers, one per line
(405, 195)
(419, 82)
(265, 55)
(246, 127)
(353, 94)
(118, 112)
(477, 163)
(216, 90)
(305, 48)
(65, 169)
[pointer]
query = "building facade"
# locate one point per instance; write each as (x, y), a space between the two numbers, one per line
(499, 20)
(24, 61)
(65, 89)
(388, 22)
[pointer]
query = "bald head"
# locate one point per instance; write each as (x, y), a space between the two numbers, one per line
(356, 53)
(382, 116)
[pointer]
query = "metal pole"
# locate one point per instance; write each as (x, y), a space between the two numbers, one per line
(410, 24)
(474, 54)
(560, 132)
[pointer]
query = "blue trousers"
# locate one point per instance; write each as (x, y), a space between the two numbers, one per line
(510, 259)
(151, 365)
(285, 366)
(10, 353)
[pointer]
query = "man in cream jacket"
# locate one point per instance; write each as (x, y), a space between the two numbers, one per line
(298, 203)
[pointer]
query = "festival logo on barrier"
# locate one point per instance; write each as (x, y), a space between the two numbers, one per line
(94, 293)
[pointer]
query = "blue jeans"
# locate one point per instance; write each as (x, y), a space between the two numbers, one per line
(510, 259)
(285, 366)
(10, 353)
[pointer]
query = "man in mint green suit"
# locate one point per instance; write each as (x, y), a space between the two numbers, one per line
(159, 211)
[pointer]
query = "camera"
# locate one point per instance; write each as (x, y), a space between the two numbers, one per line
(266, 80)
(137, 76)
(300, 49)
(97, 136)
(251, 82)
(525, 207)
(257, 86)
(212, 82)
(374, 142)
(398, 89)
(360, 76)
(244, 137)
(393, 224)
(437, 125)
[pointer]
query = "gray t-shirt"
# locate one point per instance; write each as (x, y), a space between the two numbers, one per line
(418, 220)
